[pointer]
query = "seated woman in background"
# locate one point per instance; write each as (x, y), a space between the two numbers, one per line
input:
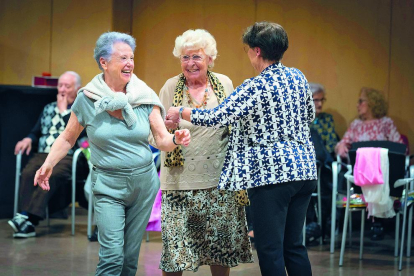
(324, 139)
(372, 124)
(323, 123)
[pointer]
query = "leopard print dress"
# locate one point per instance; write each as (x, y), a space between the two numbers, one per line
(203, 227)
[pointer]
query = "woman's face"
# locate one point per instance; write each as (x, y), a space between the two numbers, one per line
(318, 100)
(194, 64)
(362, 106)
(118, 71)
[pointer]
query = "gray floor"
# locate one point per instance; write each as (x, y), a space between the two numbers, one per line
(55, 252)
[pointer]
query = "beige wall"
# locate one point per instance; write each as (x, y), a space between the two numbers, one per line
(342, 44)
(53, 36)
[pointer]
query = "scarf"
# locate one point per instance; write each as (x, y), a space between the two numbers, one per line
(175, 158)
(137, 93)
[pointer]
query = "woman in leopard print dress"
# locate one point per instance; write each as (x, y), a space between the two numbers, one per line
(201, 225)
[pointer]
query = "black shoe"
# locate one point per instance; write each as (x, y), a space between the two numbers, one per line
(27, 230)
(94, 236)
(17, 221)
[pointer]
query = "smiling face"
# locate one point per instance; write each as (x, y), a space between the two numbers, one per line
(195, 70)
(118, 71)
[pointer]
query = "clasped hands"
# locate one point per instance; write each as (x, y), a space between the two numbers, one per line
(172, 119)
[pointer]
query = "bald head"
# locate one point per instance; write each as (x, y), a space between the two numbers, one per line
(69, 83)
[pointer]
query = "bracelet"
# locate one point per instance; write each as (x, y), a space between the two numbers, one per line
(180, 112)
(174, 141)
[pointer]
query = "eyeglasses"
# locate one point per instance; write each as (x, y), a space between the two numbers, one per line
(195, 58)
(360, 101)
(319, 100)
(246, 48)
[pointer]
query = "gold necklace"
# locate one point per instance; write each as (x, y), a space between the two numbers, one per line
(191, 101)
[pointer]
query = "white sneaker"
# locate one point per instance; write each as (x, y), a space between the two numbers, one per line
(17, 221)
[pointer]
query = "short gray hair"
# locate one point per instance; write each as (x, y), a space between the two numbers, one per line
(78, 81)
(105, 43)
(195, 40)
(316, 88)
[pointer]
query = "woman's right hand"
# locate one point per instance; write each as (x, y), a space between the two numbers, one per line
(342, 150)
(42, 176)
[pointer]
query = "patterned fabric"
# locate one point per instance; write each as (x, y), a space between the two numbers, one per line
(202, 227)
(52, 125)
(270, 140)
(175, 157)
(382, 129)
(324, 125)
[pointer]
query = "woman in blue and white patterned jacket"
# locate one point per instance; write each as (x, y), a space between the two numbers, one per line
(270, 151)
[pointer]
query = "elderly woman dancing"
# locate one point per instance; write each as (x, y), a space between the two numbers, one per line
(200, 224)
(270, 151)
(118, 111)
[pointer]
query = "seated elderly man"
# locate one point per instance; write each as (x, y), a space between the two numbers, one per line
(51, 122)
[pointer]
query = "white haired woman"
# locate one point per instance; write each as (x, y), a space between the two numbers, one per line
(118, 111)
(201, 225)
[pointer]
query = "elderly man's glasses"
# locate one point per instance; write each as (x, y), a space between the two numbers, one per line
(319, 100)
(195, 58)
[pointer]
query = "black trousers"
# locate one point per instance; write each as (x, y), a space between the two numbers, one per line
(279, 214)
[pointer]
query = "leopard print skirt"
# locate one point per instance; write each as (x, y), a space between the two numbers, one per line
(203, 227)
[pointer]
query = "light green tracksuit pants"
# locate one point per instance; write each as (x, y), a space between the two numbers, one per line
(123, 204)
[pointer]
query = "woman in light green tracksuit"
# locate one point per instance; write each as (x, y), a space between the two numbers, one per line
(118, 111)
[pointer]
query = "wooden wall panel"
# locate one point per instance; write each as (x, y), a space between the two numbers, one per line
(343, 45)
(24, 40)
(76, 27)
(122, 16)
(401, 92)
(156, 24)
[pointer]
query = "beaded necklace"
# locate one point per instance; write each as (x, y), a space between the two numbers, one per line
(191, 101)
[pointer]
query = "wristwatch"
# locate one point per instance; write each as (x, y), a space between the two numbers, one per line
(180, 113)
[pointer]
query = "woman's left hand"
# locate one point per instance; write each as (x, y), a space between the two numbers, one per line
(182, 137)
(42, 176)
(173, 115)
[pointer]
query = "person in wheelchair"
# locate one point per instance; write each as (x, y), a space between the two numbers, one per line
(51, 122)
(372, 124)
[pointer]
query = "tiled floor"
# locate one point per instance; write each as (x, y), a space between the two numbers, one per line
(55, 252)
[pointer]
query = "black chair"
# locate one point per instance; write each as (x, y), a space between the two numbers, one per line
(397, 172)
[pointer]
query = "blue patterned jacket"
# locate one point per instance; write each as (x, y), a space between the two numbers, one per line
(270, 139)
